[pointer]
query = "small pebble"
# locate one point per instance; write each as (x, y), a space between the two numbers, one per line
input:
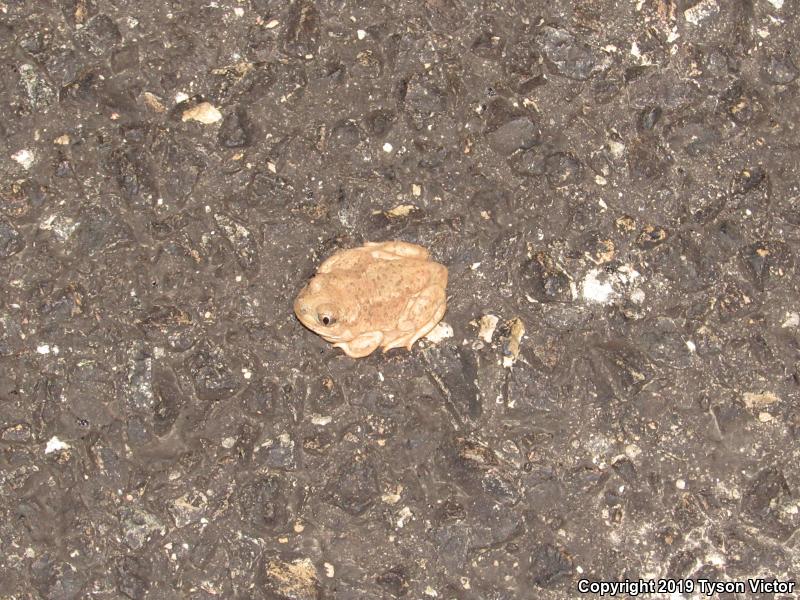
(153, 102)
(204, 113)
(701, 11)
(54, 445)
(442, 331)
(755, 400)
(488, 324)
(512, 344)
(25, 158)
(401, 210)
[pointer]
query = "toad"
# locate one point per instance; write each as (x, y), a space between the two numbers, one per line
(381, 295)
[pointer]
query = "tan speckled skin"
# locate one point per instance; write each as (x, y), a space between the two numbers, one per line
(381, 295)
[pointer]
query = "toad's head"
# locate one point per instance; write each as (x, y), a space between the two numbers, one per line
(327, 309)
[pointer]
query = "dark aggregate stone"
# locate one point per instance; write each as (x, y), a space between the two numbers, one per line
(39, 92)
(780, 69)
(11, 240)
(354, 489)
(133, 578)
(562, 169)
(211, 373)
(58, 580)
(569, 57)
(234, 131)
(303, 29)
(767, 262)
(545, 281)
(517, 134)
(649, 117)
(548, 565)
(99, 35)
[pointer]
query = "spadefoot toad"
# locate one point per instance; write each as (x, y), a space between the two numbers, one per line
(385, 295)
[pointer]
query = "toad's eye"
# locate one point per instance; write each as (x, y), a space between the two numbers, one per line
(326, 314)
(326, 318)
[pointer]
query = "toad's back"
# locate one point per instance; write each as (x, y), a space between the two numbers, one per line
(384, 287)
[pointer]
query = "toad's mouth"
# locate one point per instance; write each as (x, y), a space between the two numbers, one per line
(344, 336)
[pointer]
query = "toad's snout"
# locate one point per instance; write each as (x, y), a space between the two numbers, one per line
(302, 310)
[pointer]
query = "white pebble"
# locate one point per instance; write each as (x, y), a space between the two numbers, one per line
(594, 290)
(54, 445)
(321, 420)
(488, 324)
(701, 11)
(24, 157)
(442, 331)
(387, 147)
(205, 113)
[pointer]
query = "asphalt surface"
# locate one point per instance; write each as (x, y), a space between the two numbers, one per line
(613, 187)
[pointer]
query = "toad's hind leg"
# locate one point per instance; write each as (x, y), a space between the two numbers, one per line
(418, 308)
(361, 346)
(426, 329)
